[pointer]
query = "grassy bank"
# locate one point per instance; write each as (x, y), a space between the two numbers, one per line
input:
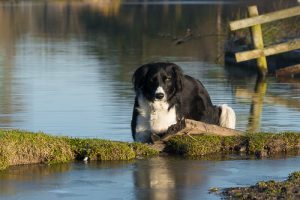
(21, 147)
(258, 144)
(288, 189)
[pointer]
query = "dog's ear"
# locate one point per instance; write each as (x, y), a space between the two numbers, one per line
(139, 76)
(178, 77)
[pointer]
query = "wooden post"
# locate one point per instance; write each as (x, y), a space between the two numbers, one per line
(258, 42)
(254, 21)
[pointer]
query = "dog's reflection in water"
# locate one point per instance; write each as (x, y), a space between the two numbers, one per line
(166, 178)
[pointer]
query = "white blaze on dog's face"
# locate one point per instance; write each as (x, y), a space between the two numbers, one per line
(160, 94)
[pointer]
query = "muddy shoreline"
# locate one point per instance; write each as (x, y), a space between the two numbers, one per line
(288, 189)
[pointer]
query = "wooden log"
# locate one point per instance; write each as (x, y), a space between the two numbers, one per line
(269, 17)
(258, 42)
(288, 71)
(271, 50)
(193, 127)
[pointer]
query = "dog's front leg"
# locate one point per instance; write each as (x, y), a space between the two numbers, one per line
(143, 136)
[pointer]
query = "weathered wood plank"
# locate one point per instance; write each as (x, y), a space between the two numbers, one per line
(258, 42)
(271, 50)
(288, 71)
(193, 127)
(269, 17)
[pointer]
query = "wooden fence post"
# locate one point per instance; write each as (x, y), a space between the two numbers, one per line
(258, 42)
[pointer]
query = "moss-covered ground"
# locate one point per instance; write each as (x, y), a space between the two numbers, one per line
(258, 144)
(22, 147)
(288, 189)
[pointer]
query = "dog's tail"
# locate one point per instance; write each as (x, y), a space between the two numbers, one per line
(227, 117)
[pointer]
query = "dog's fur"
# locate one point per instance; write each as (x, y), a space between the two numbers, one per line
(165, 96)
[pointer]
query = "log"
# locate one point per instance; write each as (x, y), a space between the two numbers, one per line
(196, 127)
(288, 71)
(193, 127)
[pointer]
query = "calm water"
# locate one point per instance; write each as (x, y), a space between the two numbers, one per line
(65, 69)
(156, 178)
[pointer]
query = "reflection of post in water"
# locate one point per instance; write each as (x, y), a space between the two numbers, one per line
(219, 31)
(257, 105)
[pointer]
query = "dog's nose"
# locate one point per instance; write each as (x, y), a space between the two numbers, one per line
(159, 95)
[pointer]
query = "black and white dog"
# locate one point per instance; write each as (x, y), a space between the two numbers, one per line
(165, 96)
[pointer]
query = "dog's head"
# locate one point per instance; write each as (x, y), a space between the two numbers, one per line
(158, 81)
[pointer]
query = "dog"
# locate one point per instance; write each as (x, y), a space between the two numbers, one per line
(165, 97)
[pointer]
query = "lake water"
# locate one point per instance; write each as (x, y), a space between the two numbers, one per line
(156, 178)
(66, 67)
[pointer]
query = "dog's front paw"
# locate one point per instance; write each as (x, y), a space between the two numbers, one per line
(175, 128)
(155, 138)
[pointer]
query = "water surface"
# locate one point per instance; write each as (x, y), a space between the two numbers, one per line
(66, 67)
(155, 178)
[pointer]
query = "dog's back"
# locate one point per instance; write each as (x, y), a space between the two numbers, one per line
(196, 103)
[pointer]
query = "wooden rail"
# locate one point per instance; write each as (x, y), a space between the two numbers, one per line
(277, 15)
(268, 51)
(260, 52)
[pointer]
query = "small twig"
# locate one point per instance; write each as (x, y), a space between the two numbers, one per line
(191, 137)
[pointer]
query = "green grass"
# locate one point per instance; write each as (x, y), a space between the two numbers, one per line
(200, 145)
(98, 149)
(22, 147)
(259, 144)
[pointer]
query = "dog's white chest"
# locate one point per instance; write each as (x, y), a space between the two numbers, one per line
(161, 117)
(155, 116)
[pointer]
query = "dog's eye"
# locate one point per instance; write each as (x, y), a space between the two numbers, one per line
(168, 79)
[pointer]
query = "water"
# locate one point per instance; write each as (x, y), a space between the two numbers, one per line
(66, 67)
(156, 178)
